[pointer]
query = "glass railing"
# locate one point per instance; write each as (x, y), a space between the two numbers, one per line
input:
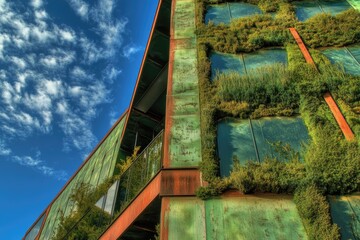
(120, 194)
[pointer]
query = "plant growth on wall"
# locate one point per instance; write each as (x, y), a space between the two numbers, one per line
(331, 164)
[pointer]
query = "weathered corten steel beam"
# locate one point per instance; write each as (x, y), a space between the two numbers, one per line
(339, 117)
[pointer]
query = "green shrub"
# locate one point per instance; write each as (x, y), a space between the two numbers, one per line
(314, 211)
(215, 187)
(332, 163)
(324, 30)
(269, 86)
(271, 175)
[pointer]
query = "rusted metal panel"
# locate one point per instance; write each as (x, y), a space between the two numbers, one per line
(344, 126)
(302, 46)
(339, 117)
(182, 146)
(129, 215)
(176, 182)
(142, 65)
(183, 218)
(164, 221)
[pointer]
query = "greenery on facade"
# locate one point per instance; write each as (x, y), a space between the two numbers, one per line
(314, 210)
(87, 221)
(331, 164)
(324, 30)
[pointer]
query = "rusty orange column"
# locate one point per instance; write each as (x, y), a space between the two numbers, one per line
(339, 117)
(129, 215)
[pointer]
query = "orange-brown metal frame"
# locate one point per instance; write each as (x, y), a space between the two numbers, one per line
(344, 126)
(46, 211)
(302, 47)
(179, 182)
(339, 117)
(135, 208)
(169, 99)
(142, 65)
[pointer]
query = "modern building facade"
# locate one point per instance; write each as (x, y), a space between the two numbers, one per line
(181, 183)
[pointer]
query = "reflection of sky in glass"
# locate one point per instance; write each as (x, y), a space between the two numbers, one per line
(35, 230)
(345, 212)
(307, 9)
(348, 58)
(223, 13)
(235, 138)
(262, 58)
(110, 198)
(231, 62)
(226, 63)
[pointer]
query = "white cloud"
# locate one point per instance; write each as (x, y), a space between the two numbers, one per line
(111, 32)
(67, 35)
(53, 88)
(112, 73)
(59, 59)
(76, 91)
(26, 119)
(62, 108)
(36, 3)
(91, 52)
(4, 39)
(81, 8)
(7, 92)
(41, 14)
(113, 117)
(23, 29)
(4, 150)
(130, 50)
(40, 101)
(41, 34)
(27, 161)
(78, 72)
(77, 131)
(39, 165)
(47, 117)
(19, 62)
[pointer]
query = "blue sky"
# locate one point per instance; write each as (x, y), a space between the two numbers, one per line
(67, 72)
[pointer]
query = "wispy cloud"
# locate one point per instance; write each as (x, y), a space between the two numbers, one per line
(130, 50)
(49, 80)
(113, 117)
(39, 165)
(80, 7)
(36, 3)
(111, 73)
(4, 150)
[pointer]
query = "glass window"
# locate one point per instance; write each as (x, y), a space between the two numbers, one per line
(35, 230)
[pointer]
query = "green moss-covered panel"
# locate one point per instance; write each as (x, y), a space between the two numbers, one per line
(253, 217)
(307, 9)
(184, 108)
(345, 212)
(257, 139)
(104, 157)
(247, 62)
(185, 73)
(184, 19)
(186, 219)
(224, 13)
(185, 145)
(250, 217)
(347, 57)
(355, 4)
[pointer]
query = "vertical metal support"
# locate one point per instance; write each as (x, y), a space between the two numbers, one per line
(254, 140)
(136, 138)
